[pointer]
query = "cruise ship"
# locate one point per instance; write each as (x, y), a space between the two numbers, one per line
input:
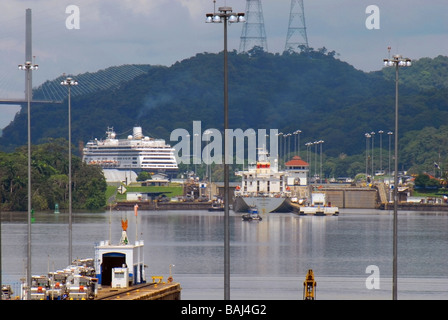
(136, 153)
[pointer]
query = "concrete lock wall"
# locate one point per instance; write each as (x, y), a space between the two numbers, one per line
(352, 198)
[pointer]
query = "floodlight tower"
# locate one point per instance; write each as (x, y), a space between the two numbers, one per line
(296, 35)
(253, 33)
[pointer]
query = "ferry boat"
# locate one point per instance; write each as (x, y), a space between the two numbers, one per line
(262, 186)
(137, 152)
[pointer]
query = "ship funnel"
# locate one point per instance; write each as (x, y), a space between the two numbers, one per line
(137, 131)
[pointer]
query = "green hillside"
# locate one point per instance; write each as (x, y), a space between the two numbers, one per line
(312, 91)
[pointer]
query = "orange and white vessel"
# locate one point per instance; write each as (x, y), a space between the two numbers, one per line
(266, 187)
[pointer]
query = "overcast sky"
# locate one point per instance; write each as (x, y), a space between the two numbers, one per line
(161, 32)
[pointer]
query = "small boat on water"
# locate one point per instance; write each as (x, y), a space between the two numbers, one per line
(217, 205)
(252, 215)
(318, 207)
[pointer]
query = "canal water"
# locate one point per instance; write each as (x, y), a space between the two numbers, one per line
(269, 259)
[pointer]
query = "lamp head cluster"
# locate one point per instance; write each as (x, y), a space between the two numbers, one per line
(28, 66)
(397, 60)
(69, 82)
(225, 13)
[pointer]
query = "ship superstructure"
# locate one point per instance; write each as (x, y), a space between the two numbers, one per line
(269, 189)
(137, 152)
(262, 186)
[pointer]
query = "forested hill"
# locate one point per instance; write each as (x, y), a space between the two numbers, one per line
(312, 91)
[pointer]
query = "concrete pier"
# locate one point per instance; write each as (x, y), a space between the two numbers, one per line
(145, 291)
(153, 205)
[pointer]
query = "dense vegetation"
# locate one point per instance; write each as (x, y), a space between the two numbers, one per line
(327, 99)
(49, 177)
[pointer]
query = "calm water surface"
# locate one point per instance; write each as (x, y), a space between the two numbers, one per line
(269, 259)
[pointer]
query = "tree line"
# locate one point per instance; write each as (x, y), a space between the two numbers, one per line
(49, 179)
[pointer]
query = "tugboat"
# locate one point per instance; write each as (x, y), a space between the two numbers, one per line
(217, 205)
(319, 207)
(252, 215)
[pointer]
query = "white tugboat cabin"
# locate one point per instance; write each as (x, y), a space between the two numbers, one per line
(113, 263)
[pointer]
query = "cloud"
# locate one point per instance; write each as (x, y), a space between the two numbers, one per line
(115, 32)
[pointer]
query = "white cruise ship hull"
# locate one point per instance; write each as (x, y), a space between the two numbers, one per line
(263, 204)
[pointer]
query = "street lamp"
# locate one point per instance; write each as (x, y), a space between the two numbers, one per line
(28, 67)
(373, 142)
(308, 158)
(367, 135)
(390, 133)
(288, 144)
(295, 141)
(196, 152)
(396, 61)
(320, 142)
(381, 150)
(315, 161)
(280, 134)
(69, 82)
(225, 15)
(209, 167)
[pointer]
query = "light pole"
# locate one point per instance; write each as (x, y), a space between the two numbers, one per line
(69, 82)
(320, 177)
(390, 133)
(308, 158)
(225, 15)
(28, 67)
(373, 145)
(196, 152)
(396, 61)
(298, 143)
(280, 148)
(381, 150)
(209, 167)
(295, 141)
(367, 135)
(315, 160)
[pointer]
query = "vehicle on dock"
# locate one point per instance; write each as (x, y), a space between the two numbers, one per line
(80, 286)
(56, 291)
(6, 292)
(39, 286)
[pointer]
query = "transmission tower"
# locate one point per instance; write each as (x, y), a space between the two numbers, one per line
(253, 33)
(296, 35)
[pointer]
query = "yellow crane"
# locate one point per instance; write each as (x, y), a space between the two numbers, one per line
(309, 286)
